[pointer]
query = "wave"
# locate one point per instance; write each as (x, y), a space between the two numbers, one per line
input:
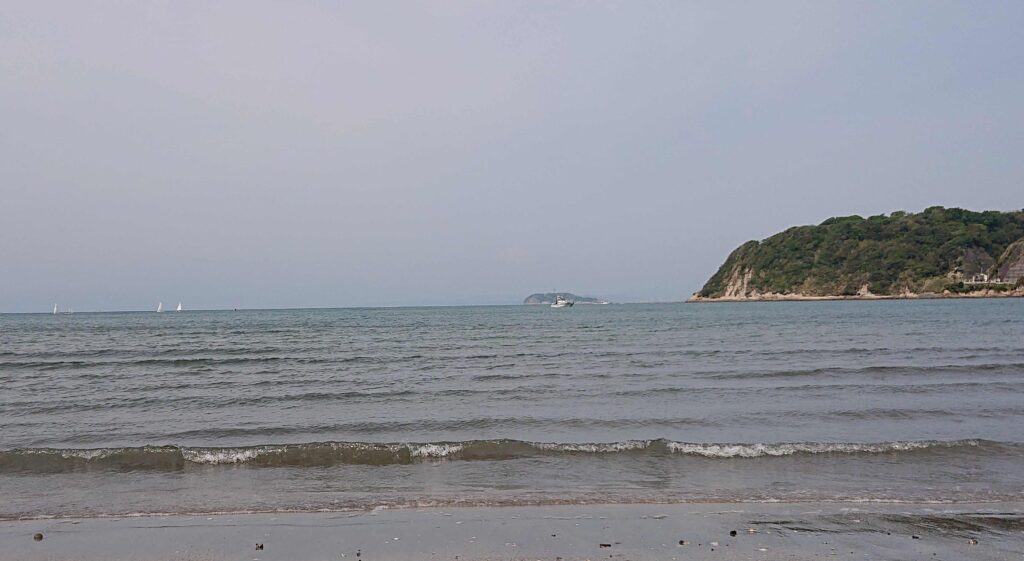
(322, 454)
(759, 450)
(876, 370)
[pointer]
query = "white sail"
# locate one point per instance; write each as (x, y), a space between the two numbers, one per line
(55, 309)
(178, 309)
(159, 307)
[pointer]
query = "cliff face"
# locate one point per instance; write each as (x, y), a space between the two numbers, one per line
(1011, 263)
(938, 251)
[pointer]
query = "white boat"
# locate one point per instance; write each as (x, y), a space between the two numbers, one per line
(159, 307)
(55, 309)
(178, 309)
(561, 302)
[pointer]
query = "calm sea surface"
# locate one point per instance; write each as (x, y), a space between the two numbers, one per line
(117, 413)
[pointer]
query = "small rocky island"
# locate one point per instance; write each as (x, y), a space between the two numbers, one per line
(549, 298)
(941, 252)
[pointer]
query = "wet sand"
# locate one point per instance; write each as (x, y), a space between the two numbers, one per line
(557, 533)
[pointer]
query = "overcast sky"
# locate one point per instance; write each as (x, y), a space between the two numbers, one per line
(280, 154)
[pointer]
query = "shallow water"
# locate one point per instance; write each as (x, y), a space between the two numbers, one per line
(312, 409)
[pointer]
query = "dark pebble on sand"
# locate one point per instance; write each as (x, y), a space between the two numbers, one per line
(604, 545)
(916, 537)
(732, 533)
(38, 537)
(682, 542)
(259, 547)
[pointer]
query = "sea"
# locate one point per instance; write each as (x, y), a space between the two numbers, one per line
(114, 414)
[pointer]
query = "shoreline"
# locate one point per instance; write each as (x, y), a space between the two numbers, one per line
(722, 531)
(499, 505)
(695, 299)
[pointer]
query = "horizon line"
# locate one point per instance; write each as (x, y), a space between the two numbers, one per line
(373, 307)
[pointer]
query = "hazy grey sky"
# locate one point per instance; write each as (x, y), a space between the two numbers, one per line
(266, 154)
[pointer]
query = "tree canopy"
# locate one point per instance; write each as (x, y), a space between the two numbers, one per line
(901, 252)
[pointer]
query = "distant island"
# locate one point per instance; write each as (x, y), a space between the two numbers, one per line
(549, 298)
(940, 252)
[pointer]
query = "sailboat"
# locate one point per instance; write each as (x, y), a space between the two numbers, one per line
(178, 309)
(55, 309)
(159, 307)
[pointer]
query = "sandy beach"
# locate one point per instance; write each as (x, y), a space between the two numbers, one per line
(993, 531)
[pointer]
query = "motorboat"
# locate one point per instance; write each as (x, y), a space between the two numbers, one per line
(562, 302)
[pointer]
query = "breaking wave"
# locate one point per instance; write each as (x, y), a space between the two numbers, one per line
(320, 454)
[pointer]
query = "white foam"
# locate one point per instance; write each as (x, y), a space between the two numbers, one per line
(435, 450)
(760, 450)
(90, 454)
(86, 454)
(593, 447)
(214, 456)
